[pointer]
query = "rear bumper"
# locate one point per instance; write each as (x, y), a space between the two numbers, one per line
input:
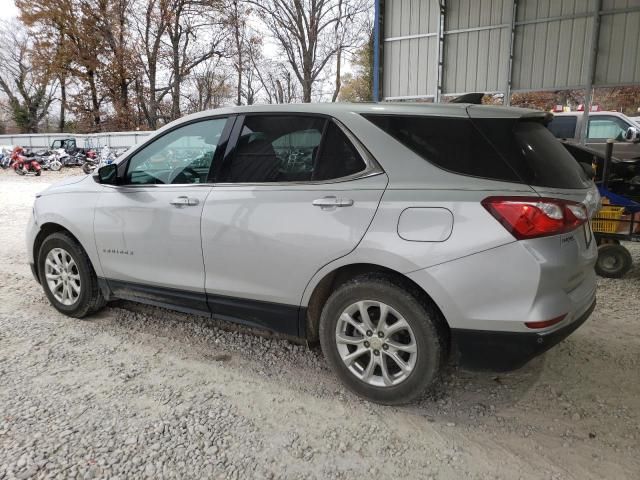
(505, 351)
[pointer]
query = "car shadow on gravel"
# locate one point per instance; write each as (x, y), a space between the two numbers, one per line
(459, 393)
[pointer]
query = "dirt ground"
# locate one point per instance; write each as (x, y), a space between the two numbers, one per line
(138, 391)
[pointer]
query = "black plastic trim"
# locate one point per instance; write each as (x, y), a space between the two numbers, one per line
(505, 351)
(182, 300)
(277, 317)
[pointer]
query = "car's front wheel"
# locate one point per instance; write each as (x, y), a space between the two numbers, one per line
(381, 340)
(67, 276)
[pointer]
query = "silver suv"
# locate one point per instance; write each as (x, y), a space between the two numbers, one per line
(398, 236)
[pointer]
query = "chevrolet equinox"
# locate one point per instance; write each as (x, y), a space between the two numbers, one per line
(397, 236)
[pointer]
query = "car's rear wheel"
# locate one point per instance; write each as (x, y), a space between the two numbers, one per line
(381, 341)
(67, 276)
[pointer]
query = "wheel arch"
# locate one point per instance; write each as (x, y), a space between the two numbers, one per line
(47, 229)
(331, 280)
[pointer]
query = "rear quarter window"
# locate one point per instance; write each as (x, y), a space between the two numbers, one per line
(504, 149)
(453, 144)
(538, 157)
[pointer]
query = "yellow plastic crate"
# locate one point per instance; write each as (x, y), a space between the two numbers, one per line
(607, 219)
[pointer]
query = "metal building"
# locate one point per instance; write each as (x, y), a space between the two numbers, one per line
(429, 48)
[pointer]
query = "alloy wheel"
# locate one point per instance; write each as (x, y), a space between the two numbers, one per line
(63, 276)
(376, 343)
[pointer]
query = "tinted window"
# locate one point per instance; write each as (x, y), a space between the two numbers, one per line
(338, 157)
(451, 143)
(537, 156)
(499, 149)
(607, 127)
(183, 155)
(282, 148)
(563, 127)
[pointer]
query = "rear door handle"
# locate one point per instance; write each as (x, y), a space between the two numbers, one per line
(184, 201)
(332, 202)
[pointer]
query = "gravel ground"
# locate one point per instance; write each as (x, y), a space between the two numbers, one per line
(138, 391)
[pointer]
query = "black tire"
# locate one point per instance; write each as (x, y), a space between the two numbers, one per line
(87, 168)
(90, 298)
(421, 317)
(614, 260)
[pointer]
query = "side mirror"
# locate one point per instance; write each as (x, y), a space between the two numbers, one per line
(107, 175)
(632, 134)
(588, 169)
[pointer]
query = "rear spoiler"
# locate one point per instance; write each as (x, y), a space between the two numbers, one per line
(542, 117)
(473, 98)
(514, 113)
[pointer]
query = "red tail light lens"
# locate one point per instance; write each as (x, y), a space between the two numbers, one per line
(532, 217)
(545, 323)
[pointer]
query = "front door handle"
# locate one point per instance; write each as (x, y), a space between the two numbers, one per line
(184, 201)
(332, 202)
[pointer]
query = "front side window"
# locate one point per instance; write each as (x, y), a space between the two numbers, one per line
(182, 156)
(606, 127)
(290, 148)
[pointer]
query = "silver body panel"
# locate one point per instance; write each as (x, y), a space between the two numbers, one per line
(265, 242)
(270, 243)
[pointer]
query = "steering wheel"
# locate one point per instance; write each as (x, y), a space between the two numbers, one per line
(186, 175)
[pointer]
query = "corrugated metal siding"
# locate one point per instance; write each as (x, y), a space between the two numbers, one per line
(411, 64)
(540, 9)
(619, 45)
(552, 54)
(551, 45)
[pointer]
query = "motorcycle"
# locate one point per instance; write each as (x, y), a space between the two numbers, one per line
(76, 159)
(94, 161)
(24, 165)
(53, 161)
(5, 156)
(5, 161)
(90, 162)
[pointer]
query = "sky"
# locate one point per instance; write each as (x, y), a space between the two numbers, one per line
(8, 9)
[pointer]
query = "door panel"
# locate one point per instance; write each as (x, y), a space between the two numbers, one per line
(142, 238)
(147, 228)
(265, 242)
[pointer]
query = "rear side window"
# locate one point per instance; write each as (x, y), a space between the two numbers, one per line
(504, 149)
(279, 148)
(453, 144)
(563, 127)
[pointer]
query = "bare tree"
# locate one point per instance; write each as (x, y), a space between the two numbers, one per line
(194, 33)
(30, 91)
(211, 87)
(151, 21)
(309, 32)
(117, 74)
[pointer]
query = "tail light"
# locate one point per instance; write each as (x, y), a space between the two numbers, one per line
(532, 217)
(545, 323)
